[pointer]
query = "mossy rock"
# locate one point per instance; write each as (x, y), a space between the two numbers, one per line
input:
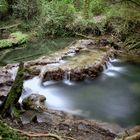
(16, 38)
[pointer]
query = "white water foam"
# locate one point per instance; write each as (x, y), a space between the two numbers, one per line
(113, 70)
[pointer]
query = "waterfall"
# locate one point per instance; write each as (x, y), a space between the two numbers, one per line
(67, 79)
(113, 70)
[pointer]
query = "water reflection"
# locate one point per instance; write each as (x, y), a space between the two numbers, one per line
(114, 96)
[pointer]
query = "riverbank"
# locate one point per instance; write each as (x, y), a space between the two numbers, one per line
(66, 125)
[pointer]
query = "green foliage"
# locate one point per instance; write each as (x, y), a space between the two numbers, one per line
(97, 7)
(84, 26)
(5, 43)
(126, 11)
(14, 38)
(19, 36)
(55, 15)
(25, 9)
(6, 133)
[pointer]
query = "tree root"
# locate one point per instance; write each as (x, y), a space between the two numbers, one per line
(32, 134)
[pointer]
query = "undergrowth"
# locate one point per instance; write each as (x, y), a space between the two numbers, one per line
(7, 133)
(14, 38)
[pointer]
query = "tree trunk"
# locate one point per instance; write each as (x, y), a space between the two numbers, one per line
(9, 106)
(86, 8)
(10, 9)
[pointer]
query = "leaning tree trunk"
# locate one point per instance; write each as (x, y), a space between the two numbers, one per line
(9, 106)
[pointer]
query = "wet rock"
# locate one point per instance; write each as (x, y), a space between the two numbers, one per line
(54, 74)
(34, 102)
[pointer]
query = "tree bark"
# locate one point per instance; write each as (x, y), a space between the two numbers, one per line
(9, 107)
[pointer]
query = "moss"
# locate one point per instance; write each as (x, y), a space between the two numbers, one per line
(20, 37)
(9, 106)
(14, 39)
(6, 133)
(85, 58)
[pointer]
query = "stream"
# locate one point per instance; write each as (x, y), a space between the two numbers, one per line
(112, 97)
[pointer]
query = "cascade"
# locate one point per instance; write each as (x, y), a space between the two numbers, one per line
(67, 79)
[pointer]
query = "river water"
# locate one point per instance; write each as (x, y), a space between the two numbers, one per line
(112, 97)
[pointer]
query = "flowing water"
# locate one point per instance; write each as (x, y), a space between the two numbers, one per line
(112, 97)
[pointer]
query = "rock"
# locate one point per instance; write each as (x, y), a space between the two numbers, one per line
(87, 64)
(34, 102)
(130, 134)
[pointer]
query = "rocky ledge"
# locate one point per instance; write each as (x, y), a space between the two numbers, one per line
(82, 59)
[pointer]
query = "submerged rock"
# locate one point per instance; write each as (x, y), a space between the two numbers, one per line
(34, 102)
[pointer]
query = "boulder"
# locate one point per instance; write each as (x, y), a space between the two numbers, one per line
(34, 102)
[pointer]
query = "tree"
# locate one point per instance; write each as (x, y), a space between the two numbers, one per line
(10, 9)
(9, 106)
(86, 8)
(3, 8)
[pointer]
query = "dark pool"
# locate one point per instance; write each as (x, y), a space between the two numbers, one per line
(113, 97)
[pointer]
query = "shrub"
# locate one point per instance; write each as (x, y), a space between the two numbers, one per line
(97, 7)
(55, 16)
(25, 9)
